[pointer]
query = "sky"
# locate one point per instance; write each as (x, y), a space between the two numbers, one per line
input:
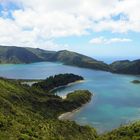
(98, 28)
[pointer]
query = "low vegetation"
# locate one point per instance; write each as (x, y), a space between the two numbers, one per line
(29, 113)
(128, 132)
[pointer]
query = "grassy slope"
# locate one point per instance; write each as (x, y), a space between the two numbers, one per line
(17, 55)
(42, 54)
(128, 132)
(126, 67)
(27, 113)
(29, 55)
(76, 59)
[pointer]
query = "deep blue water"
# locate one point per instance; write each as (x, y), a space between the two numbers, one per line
(115, 101)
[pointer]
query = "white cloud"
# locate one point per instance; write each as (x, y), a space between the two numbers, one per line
(50, 19)
(102, 40)
(11, 34)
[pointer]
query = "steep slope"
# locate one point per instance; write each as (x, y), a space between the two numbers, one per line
(13, 54)
(128, 132)
(31, 114)
(126, 67)
(42, 54)
(17, 55)
(76, 59)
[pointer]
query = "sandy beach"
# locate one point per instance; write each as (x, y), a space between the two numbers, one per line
(76, 82)
(68, 115)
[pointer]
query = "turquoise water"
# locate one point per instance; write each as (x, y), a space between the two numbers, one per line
(115, 99)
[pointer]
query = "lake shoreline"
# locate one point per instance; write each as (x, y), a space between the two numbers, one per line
(68, 115)
(69, 84)
(111, 91)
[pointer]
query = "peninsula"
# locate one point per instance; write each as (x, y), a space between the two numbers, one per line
(31, 112)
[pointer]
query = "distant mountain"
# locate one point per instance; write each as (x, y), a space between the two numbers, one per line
(12, 54)
(44, 55)
(16, 55)
(76, 59)
(126, 67)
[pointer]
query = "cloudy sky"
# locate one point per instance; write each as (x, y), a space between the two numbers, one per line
(100, 28)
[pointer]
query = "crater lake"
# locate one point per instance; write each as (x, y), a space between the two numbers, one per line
(115, 101)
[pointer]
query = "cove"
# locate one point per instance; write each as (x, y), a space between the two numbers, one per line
(116, 100)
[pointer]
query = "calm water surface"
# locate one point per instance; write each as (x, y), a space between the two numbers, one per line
(116, 100)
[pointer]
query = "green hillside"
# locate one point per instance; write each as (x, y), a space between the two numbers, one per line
(128, 132)
(54, 81)
(17, 55)
(76, 59)
(42, 54)
(11, 54)
(126, 67)
(29, 113)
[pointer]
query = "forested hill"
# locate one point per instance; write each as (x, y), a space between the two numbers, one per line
(12, 54)
(76, 59)
(57, 81)
(28, 113)
(126, 67)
